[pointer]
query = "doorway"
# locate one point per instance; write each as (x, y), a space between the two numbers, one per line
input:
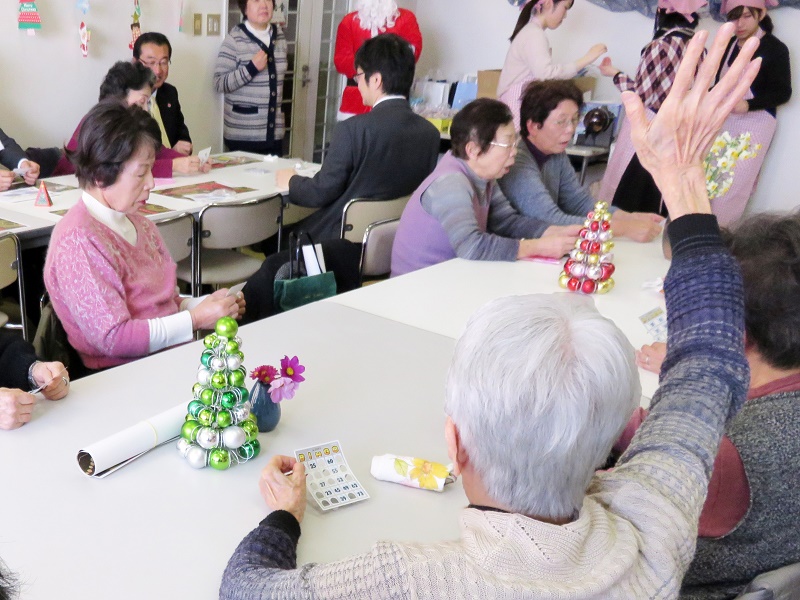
(312, 87)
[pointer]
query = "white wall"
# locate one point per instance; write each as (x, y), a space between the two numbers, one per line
(48, 85)
(463, 36)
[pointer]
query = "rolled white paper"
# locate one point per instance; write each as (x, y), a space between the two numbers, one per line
(412, 472)
(106, 456)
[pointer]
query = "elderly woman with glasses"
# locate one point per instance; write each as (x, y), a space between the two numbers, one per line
(542, 183)
(460, 211)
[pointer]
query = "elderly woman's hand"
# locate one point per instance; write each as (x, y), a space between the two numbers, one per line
(673, 145)
(16, 408)
(636, 226)
(188, 165)
(214, 307)
(55, 375)
(556, 241)
(651, 356)
(283, 485)
(6, 179)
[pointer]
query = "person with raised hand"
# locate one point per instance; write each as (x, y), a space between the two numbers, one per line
(541, 523)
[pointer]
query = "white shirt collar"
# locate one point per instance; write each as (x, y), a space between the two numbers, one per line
(116, 221)
(388, 97)
(265, 35)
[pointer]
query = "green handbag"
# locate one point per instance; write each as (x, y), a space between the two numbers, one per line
(300, 289)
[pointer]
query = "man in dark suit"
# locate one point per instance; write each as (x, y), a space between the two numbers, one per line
(154, 51)
(12, 157)
(383, 154)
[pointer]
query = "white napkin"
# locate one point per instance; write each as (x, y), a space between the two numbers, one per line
(412, 472)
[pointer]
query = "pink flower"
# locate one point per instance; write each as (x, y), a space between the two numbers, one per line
(291, 368)
(282, 388)
(264, 373)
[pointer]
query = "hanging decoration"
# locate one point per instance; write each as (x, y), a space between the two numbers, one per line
(180, 18)
(648, 7)
(280, 13)
(29, 19)
(136, 29)
(83, 6)
(85, 35)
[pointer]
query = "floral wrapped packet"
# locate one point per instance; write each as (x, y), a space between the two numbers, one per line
(412, 472)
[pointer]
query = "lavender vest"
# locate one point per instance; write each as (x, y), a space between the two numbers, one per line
(421, 241)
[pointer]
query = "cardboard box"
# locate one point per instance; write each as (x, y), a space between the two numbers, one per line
(586, 85)
(443, 125)
(487, 83)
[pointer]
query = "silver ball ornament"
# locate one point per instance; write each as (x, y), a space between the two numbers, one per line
(217, 363)
(233, 437)
(203, 376)
(577, 270)
(604, 236)
(594, 272)
(183, 446)
(240, 413)
(197, 457)
(234, 362)
(208, 438)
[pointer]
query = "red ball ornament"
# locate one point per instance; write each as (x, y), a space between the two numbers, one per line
(588, 286)
(594, 247)
(594, 226)
(608, 270)
(585, 245)
(590, 216)
(583, 232)
(568, 264)
(605, 225)
(573, 284)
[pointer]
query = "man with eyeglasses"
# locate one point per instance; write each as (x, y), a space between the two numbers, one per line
(383, 154)
(154, 51)
(542, 182)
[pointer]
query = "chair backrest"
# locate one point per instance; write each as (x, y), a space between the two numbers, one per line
(178, 234)
(376, 250)
(11, 271)
(235, 224)
(360, 213)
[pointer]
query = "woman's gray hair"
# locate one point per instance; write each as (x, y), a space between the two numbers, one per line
(540, 387)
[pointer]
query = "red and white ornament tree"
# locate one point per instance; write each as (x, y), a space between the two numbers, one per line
(590, 264)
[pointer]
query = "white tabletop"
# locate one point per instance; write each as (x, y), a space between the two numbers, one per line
(441, 298)
(37, 221)
(158, 528)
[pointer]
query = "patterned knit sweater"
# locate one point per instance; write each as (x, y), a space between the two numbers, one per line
(252, 98)
(635, 533)
(104, 290)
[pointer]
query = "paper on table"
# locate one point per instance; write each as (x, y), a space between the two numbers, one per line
(106, 456)
(204, 154)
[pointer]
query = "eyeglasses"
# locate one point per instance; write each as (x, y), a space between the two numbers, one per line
(507, 146)
(564, 122)
(357, 75)
(152, 64)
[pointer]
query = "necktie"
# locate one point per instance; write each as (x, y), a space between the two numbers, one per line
(155, 112)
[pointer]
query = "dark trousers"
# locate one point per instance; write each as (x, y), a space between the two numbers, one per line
(637, 191)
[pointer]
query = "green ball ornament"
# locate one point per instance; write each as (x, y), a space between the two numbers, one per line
(252, 417)
(227, 327)
(245, 394)
(206, 357)
(210, 341)
(228, 399)
(224, 418)
(236, 379)
(207, 396)
(249, 450)
(194, 408)
(196, 389)
(250, 430)
(207, 416)
(219, 459)
(232, 347)
(189, 430)
(218, 380)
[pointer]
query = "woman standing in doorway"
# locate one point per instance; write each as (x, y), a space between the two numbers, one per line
(250, 68)
(755, 114)
(530, 55)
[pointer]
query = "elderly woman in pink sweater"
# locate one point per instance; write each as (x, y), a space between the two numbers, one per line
(110, 277)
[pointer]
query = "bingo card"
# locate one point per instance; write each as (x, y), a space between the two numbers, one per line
(329, 479)
(655, 322)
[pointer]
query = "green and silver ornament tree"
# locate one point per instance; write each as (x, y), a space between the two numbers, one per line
(219, 429)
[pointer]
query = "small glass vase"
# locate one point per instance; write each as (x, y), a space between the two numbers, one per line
(266, 411)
